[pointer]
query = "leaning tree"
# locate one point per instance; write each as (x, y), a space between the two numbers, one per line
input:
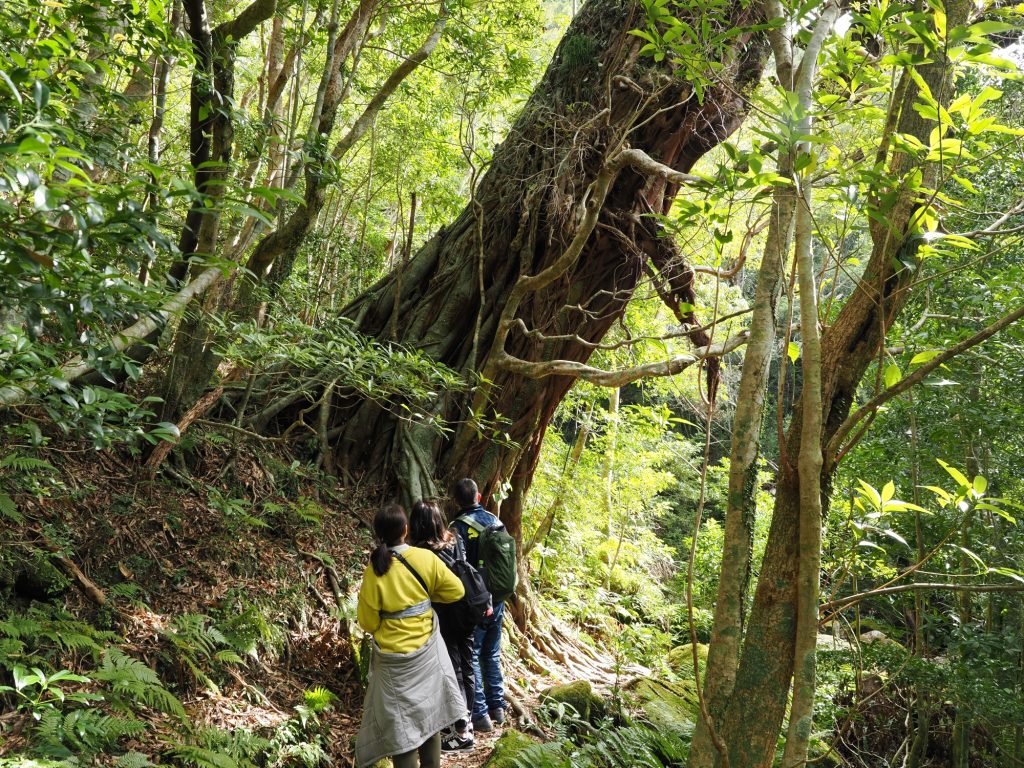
(520, 288)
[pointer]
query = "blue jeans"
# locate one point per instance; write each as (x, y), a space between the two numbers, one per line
(490, 685)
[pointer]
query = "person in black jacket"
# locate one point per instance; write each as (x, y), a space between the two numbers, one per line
(427, 530)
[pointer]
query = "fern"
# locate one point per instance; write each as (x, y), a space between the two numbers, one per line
(20, 463)
(633, 746)
(247, 629)
(85, 731)
(636, 746)
(306, 753)
(128, 678)
(318, 699)
(9, 509)
(133, 760)
(550, 755)
(53, 630)
(218, 748)
(126, 590)
(200, 643)
(200, 757)
(11, 651)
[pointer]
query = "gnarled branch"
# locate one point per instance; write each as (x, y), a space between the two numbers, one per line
(620, 378)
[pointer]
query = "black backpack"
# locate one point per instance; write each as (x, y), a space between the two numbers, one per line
(461, 617)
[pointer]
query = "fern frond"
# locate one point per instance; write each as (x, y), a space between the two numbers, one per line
(133, 760)
(305, 753)
(129, 678)
(21, 463)
(85, 731)
(318, 699)
(550, 755)
(203, 758)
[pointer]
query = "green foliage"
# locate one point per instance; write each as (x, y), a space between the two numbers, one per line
(131, 683)
(73, 235)
(41, 634)
(299, 356)
(82, 732)
(197, 644)
(39, 693)
(133, 760)
(219, 748)
(579, 745)
(304, 738)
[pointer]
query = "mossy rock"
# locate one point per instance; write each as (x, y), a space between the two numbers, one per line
(578, 695)
(508, 748)
(821, 746)
(680, 659)
(671, 706)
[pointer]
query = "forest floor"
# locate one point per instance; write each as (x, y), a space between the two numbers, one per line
(247, 541)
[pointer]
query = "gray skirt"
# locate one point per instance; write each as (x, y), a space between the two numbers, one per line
(410, 697)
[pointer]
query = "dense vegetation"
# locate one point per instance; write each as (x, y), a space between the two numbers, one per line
(718, 301)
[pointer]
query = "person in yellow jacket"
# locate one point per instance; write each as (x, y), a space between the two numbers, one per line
(413, 693)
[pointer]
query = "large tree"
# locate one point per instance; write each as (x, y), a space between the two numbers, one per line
(541, 263)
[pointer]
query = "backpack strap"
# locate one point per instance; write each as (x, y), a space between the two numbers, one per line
(413, 571)
(478, 527)
(460, 549)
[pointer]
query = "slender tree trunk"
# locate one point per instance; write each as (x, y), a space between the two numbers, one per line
(921, 707)
(756, 709)
(734, 576)
(156, 125)
(801, 717)
(211, 139)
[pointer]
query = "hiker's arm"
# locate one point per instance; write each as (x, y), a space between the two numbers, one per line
(367, 613)
(446, 585)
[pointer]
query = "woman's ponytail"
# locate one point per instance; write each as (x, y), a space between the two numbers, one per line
(381, 559)
(390, 525)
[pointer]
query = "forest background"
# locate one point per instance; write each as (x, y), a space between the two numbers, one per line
(266, 265)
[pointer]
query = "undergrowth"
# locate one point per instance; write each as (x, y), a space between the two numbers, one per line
(193, 659)
(608, 743)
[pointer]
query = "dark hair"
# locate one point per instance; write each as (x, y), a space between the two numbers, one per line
(389, 525)
(465, 493)
(426, 526)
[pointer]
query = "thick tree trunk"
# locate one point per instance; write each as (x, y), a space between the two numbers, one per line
(598, 94)
(753, 718)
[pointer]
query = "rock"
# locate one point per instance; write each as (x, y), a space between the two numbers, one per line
(823, 747)
(507, 748)
(876, 636)
(680, 659)
(671, 706)
(579, 696)
(833, 643)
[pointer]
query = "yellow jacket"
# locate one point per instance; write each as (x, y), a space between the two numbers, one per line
(397, 590)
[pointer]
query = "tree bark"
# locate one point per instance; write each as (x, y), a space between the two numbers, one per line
(598, 96)
(211, 140)
(801, 716)
(734, 577)
(755, 712)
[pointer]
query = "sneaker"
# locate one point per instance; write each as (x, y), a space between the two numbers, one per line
(453, 742)
(483, 724)
(498, 716)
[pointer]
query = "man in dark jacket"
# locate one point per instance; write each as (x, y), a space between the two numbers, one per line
(489, 707)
